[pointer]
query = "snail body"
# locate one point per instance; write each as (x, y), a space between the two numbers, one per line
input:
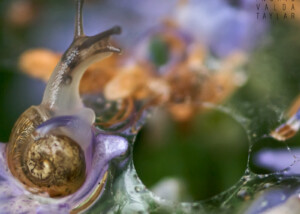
(50, 147)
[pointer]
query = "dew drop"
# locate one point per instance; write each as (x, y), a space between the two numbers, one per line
(243, 194)
(264, 203)
(138, 189)
(267, 185)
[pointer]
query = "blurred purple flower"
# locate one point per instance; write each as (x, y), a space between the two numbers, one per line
(223, 28)
(279, 159)
(134, 16)
(274, 201)
(219, 26)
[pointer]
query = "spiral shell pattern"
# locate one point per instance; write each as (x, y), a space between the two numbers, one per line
(53, 164)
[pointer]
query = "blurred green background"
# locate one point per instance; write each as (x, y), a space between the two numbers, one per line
(209, 154)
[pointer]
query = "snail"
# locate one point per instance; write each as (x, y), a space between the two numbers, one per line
(54, 151)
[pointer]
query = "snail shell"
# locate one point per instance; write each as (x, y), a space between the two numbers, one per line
(52, 164)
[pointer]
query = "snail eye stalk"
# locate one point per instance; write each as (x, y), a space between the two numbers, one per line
(78, 21)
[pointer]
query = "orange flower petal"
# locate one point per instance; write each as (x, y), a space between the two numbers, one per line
(129, 81)
(39, 63)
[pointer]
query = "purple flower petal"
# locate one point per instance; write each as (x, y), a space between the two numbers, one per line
(278, 159)
(269, 199)
(107, 148)
(220, 27)
(14, 198)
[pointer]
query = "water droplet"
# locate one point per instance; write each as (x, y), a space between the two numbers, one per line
(264, 204)
(267, 185)
(195, 206)
(138, 189)
(246, 178)
(243, 194)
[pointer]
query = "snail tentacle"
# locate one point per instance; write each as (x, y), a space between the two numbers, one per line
(78, 20)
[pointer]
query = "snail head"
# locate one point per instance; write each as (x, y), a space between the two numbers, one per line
(62, 91)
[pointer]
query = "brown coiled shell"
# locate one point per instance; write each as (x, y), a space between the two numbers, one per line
(52, 164)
